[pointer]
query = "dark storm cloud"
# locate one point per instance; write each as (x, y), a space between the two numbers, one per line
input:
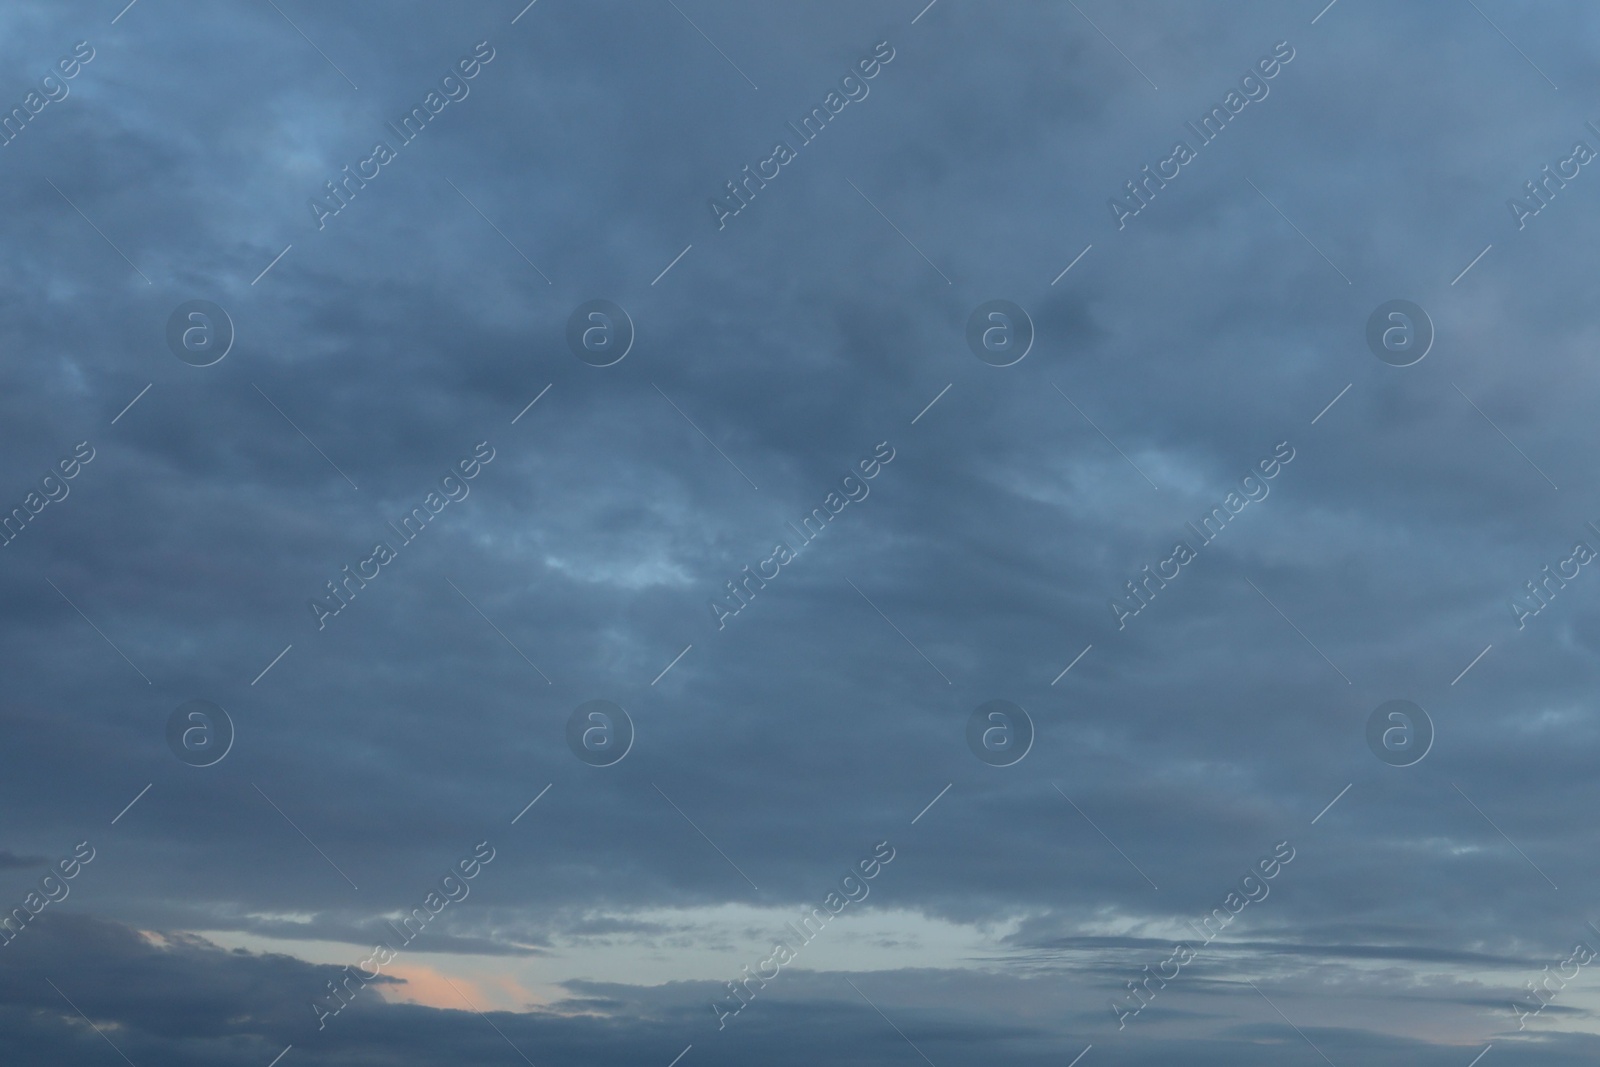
(382, 348)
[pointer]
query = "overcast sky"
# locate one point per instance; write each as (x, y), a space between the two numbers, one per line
(182, 481)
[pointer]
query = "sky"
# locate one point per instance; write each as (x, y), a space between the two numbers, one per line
(678, 532)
